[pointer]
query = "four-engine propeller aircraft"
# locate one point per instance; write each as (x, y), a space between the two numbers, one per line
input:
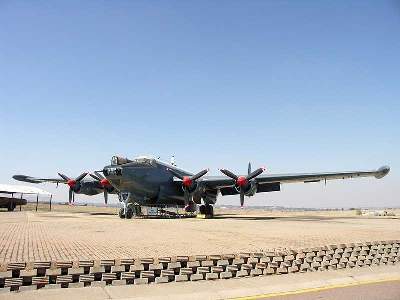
(146, 181)
(79, 185)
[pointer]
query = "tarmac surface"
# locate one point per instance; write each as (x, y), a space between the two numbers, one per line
(388, 290)
(71, 233)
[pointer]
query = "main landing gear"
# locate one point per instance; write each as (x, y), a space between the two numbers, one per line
(206, 210)
(131, 210)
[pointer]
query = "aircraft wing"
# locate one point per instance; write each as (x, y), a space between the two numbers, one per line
(31, 179)
(271, 182)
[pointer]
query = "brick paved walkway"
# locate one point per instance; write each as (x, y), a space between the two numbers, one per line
(28, 236)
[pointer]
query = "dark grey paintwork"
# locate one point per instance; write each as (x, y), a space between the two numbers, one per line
(147, 181)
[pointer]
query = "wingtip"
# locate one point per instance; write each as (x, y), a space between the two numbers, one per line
(382, 172)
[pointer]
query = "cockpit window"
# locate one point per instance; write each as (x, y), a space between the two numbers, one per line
(114, 161)
(117, 160)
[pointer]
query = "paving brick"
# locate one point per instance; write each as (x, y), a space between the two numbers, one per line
(76, 285)
(223, 262)
(162, 279)
(225, 275)
(242, 273)
(202, 270)
(179, 278)
(141, 281)
(269, 271)
(98, 284)
(193, 264)
(185, 271)
(196, 277)
(207, 263)
(255, 272)
(211, 276)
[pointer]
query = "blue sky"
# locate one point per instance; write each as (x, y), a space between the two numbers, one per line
(293, 86)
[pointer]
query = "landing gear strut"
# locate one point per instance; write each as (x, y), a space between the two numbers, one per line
(130, 211)
(207, 210)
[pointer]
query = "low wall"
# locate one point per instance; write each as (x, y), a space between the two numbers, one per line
(20, 276)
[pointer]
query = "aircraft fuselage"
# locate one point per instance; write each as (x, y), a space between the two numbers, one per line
(147, 181)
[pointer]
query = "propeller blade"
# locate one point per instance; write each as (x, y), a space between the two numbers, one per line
(105, 196)
(66, 178)
(98, 174)
(95, 176)
(176, 174)
(241, 200)
(80, 177)
(187, 198)
(249, 169)
(255, 173)
(229, 174)
(198, 175)
(70, 196)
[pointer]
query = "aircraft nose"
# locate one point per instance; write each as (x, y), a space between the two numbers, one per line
(110, 171)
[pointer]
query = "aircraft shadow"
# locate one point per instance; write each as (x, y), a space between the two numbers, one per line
(241, 217)
(101, 213)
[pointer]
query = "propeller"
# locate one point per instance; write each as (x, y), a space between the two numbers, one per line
(106, 185)
(189, 183)
(74, 185)
(243, 183)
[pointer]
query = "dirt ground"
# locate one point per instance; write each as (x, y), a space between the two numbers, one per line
(70, 233)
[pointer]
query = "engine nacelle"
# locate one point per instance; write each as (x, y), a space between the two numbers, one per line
(250, 189)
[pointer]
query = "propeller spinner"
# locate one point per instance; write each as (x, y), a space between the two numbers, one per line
(243, 183)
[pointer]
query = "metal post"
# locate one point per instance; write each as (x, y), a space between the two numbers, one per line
(20, 205)
(37, 200)
(51, 197)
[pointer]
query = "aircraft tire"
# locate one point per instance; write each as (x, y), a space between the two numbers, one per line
(209, 210)
(11, 206)
(129, 213)
(121, 213)
(202, 209)
(138, 210)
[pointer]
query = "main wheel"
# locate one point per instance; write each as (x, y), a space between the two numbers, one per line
(138, 210)
(121, 213)
(202, 209)
(129, 213)
(209, 210)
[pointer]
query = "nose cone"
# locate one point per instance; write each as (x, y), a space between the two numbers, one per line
(382, 172)
(241, 181)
